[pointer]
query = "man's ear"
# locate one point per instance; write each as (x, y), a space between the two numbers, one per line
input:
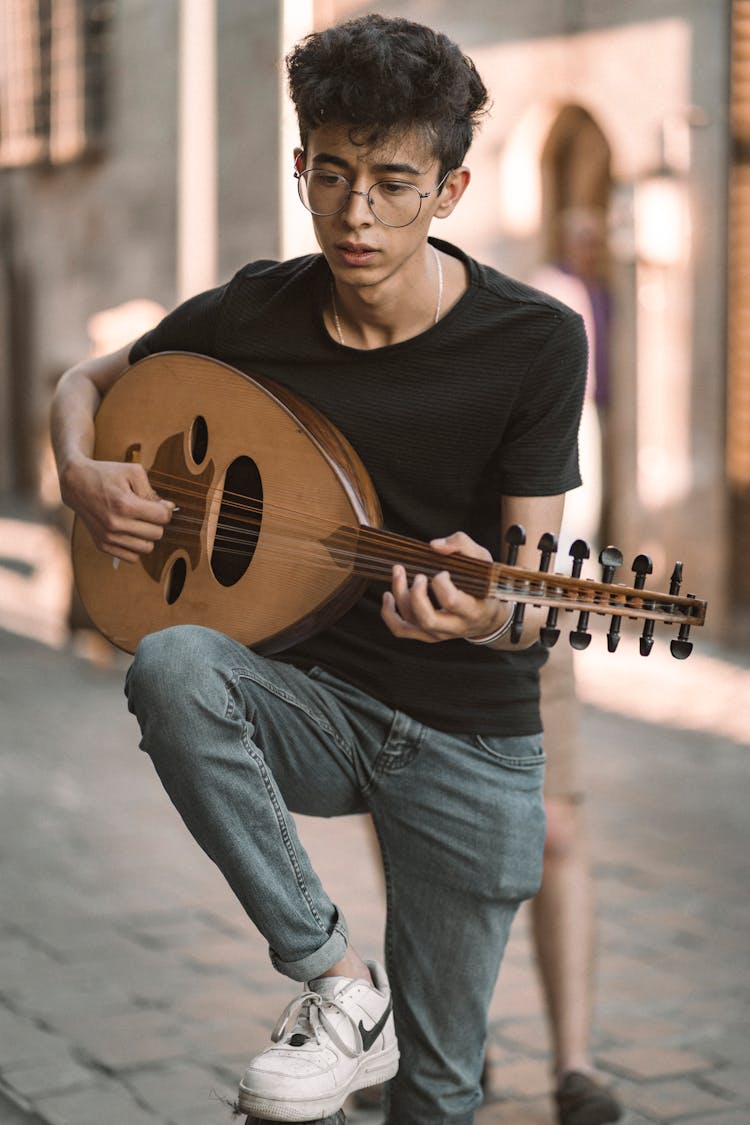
(453, 189)
(299, 160)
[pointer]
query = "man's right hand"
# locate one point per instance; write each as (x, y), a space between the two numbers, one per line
(116, 502)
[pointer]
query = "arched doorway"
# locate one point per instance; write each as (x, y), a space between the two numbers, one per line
(576, 171)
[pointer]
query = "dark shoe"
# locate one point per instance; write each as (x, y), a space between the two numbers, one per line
(582, 1101)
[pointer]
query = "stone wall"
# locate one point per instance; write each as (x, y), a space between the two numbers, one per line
(99, 234)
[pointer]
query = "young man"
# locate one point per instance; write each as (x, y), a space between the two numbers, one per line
(461, 391)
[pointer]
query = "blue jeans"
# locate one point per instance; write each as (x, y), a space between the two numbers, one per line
(241, 741)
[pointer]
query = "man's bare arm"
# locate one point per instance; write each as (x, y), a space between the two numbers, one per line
(115, 500)
(409, 612)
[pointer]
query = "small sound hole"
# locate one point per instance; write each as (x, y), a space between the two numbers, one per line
(199, 439)
(238, 524)
(176, 580)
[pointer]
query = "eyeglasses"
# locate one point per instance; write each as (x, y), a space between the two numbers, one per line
(394, 203)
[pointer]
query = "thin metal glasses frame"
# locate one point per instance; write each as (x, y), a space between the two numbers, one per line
(300, 176)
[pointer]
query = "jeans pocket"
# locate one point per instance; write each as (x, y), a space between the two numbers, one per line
(517, 752)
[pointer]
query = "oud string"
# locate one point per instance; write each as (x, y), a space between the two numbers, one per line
(304, 535)
(243, 517)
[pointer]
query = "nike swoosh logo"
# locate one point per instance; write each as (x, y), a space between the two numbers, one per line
(369, 1036)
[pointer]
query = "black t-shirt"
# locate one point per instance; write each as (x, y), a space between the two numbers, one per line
(485, 403)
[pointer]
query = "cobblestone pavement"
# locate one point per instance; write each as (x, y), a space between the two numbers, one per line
(132, 990)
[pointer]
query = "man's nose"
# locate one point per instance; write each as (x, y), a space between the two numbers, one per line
(357, 210)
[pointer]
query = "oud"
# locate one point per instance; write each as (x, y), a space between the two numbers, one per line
(278, 529)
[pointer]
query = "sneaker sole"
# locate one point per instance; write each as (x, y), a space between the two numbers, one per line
(371, 1072)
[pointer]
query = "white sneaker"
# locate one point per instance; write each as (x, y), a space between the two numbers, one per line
(337, 1037)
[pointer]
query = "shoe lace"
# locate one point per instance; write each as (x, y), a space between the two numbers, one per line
(306, 1015)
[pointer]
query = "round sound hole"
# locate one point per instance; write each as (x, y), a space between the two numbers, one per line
(238, 523)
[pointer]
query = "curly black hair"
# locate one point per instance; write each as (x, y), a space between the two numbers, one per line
(383, 77)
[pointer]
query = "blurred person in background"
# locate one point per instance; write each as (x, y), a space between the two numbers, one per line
(563, 913)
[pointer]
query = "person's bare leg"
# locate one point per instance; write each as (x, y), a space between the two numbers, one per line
(563, 927)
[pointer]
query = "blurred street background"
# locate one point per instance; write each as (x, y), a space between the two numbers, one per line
(145, 154)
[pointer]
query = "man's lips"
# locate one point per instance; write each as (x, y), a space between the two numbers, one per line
(355, 254)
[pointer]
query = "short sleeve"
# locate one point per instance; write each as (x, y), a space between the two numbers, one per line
(191, 327)
(538, 455)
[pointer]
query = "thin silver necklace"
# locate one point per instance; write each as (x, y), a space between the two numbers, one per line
(438, 306)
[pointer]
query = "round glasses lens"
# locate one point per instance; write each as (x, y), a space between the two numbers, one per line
(323, 193)
(395, 203)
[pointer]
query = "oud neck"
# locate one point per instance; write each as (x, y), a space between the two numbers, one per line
(373, 552)
(377, 552)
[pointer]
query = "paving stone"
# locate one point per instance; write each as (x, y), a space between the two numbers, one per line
(497, 1055)
(99, 944)
(176, 932)
(525, 1078)
(13, 1111)
(733, 1081)
(218, 953)
(531, 1111)
(529, 1035)
(129, 1039)
(702, 1009)
(640, 982)
(635, 1027)
(19, 962)
(22, 1040)
(652, 1062)
(667, 1100)
(55, 994)
(733, 1117)
(727, 1045)
(212, 997)
(107, 1102)
(177, 1089)
(239, 1038)
(43, 1077)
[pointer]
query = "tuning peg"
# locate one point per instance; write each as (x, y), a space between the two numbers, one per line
(547, 545)
(579, 637)
(642, 567)
(515, 537)
(675, 582)
(610, 559)
(579, 552)
(549, 633)
(680, 646)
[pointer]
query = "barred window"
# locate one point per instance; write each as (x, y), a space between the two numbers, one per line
(52, 79)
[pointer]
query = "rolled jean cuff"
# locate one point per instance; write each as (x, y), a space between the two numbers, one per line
(311, 966)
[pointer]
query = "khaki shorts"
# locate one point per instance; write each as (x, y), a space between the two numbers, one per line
(561, 721)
